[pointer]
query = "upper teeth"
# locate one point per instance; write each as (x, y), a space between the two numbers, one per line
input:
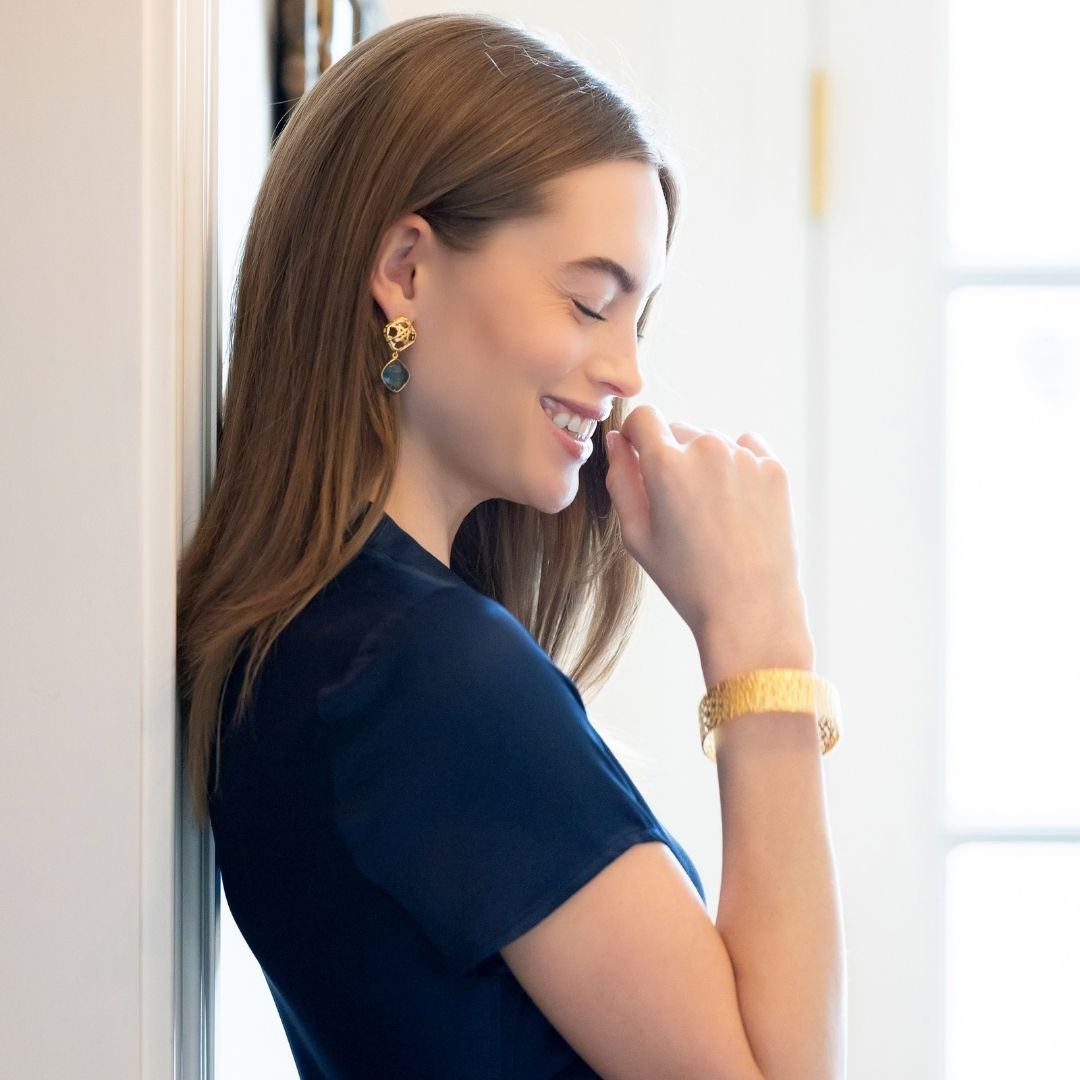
(558, 412)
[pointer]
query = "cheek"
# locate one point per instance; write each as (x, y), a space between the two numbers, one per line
(531, 344)
(504, 335)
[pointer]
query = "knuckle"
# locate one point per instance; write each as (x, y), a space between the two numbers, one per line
(774, 469)
(713, 441)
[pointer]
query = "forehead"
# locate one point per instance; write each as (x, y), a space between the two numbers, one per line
(608, 190)
(614, 211)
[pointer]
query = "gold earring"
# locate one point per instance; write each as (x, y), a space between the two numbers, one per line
(399, 334)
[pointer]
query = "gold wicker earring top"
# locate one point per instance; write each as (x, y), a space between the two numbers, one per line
(400, 333)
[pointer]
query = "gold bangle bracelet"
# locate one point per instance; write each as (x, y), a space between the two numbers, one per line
(770, 690)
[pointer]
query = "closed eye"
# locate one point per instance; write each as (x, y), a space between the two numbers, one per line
(591, 314)
(595, 315)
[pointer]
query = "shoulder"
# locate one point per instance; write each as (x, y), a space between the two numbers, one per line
(437, 643)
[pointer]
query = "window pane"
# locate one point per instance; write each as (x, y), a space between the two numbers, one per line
(1014, 139)
(1013, 555)
(1012, 961)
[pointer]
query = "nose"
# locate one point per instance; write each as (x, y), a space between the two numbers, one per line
(618, 368)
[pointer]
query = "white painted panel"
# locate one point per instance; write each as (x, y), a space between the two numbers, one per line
(88, 483)
(882, 517)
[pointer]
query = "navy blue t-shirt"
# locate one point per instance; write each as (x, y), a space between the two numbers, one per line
(415, 786)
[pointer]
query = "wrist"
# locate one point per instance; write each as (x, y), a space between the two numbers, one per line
(723, 656)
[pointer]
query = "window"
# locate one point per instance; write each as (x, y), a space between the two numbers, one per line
(1012, 741)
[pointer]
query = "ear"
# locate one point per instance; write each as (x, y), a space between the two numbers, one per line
(392, 284)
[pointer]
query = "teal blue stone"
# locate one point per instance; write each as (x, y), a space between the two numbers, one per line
(395, 375)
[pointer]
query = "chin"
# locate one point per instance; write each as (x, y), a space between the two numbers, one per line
(554, 502)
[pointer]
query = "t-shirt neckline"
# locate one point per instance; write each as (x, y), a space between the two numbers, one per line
(393, 541)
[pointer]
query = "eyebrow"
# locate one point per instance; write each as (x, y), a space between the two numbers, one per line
(626, 281)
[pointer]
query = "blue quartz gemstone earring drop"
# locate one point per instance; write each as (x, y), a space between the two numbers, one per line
(399, 334)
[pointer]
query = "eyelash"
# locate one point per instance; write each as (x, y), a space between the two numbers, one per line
(594, 315)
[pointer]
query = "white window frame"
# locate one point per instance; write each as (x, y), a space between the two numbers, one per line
(197, 893)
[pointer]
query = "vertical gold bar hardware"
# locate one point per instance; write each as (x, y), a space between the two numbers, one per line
(819, 133)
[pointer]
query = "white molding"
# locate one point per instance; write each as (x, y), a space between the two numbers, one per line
(954, 835)
(883, 519)
(197, 897)
(160, 346)
(955, 276)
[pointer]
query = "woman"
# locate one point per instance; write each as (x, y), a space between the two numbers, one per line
(415, 521)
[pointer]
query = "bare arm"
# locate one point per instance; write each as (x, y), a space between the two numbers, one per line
(779, 912)
(632, 969)
(636, 975)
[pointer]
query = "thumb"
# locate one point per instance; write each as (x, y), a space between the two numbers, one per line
(626, 488)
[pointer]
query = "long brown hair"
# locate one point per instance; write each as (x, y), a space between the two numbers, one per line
(460, 118)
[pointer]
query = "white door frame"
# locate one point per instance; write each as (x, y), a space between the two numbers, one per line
(881, 550)
(197, 896)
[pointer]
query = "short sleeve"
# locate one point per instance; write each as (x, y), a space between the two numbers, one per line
(468, 782)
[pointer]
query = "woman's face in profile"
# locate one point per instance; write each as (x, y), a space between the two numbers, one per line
(500, 328)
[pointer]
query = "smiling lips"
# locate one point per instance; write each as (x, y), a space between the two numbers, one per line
(578, 427)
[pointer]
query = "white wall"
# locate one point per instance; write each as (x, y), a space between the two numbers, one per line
(87, 540)
(883, 553)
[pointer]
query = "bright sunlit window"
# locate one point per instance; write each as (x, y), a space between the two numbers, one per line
(1013, 526)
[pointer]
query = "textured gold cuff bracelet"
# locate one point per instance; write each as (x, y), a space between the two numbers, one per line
(770, 690)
